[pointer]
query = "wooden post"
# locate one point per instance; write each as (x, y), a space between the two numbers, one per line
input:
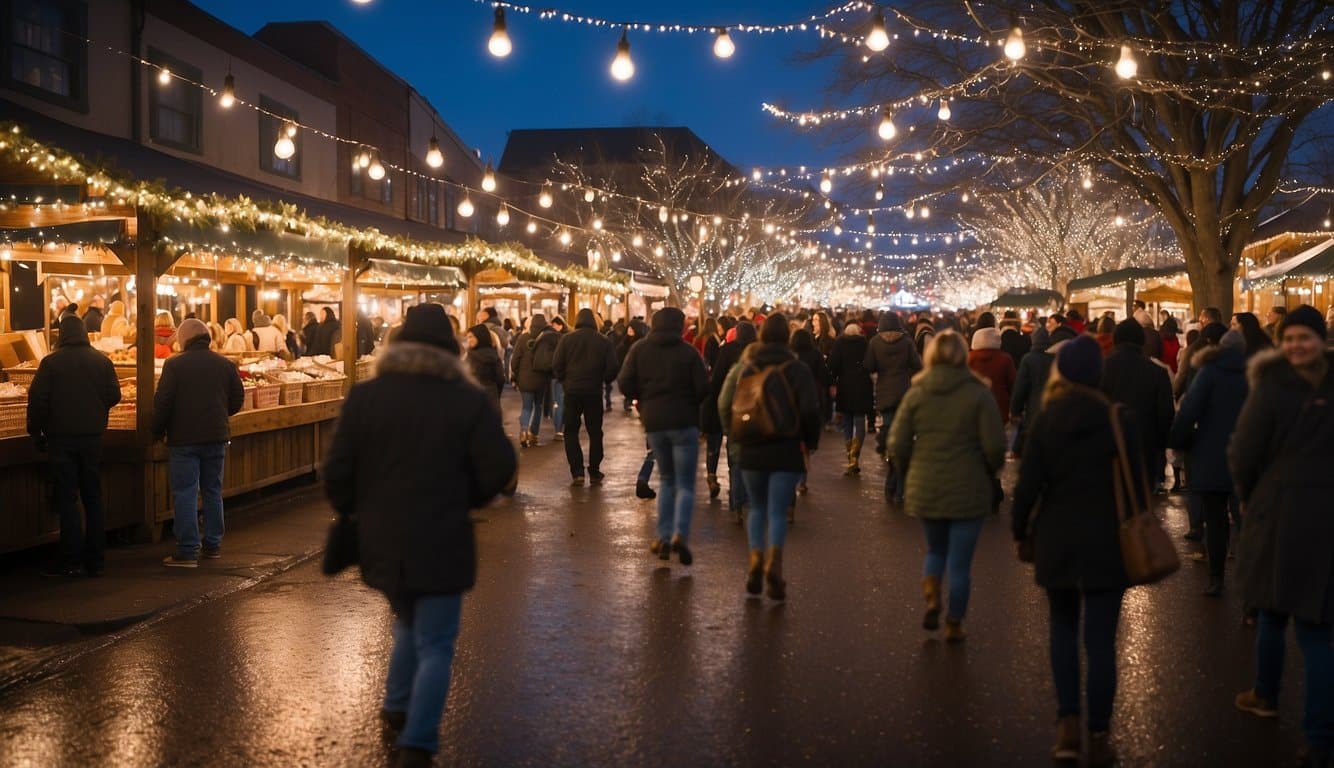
(473, 302)
(145, 305)
(1130, 298)
(355, 258)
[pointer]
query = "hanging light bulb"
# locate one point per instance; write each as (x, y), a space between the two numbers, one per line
(532, 226)
(499, 45)
(926, 212)
(544, 199)
(965, 197)
(623, 67)
(911, 211)
(944, 113)
(589, 195)
(826, 184)
(637, 241)
(1119, 220)
(597, 223)
(364, 158)
(1014, 45)
(565, 237)
(662, 214)
(376, 170)
(870, 223)
(1087, 183)
(284, 148)
(838, 230)
(723, 47)
(489, 179)
(878, 38)
(1325, 74)
(228, 96)
(466, 208)
(434, 157)
(503, 215)
(887, 129)
(616, 256)
(1126, 66)
(164, 76)
(879, 192)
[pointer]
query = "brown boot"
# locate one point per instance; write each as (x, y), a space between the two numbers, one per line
(714, 488)
(855, 456)
(755, 572)
(850, 469)
(1067, 739)
(931, 591)
(954, 631)
(773, 573)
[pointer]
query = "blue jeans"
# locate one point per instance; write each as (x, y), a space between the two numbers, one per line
(530, 412)
(1102, 611)
(854, 424)
(196, 473)
(1318, 653)
(677, 452)
(771, 493)
(950, 545)
(558, 408)
(425, 628)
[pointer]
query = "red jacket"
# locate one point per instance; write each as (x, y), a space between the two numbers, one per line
(998, 368)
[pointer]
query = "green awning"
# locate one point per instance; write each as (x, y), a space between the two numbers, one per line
(1122, 276)
(1032, 299)
(392, 273)
(104, 231)
(263, 243)
(1314, 263)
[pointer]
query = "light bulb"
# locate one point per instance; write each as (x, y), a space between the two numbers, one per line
(879, 192)
(499, 45)
(503, 215)
(434, 157)
(544, 199)
(944, 113)
(228, 97)
(616, 257)
(965, 197)
(466, 208)
(911, 211)
(376, 171)
(364, 158)
(164, 76)
(838, 230)
(1120, 220)
(1087, 183)
(489, 179)
(723, 47)
(1126, 66)
(589, 195)
(284, 148)
(826, 184)
(597, 223)
(1324, 74)
(565, 237)
(290, 127)
(623, 67)
(1014, 45)
(657, 251)
(662, 214)
(877, 39)
(870, 223)
(926, 212)
(887, 129)
(637, 241)
(532, 226)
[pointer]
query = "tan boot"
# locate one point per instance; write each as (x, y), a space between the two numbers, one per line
(850, 469)
(931, 591)
(755, 572)
(773, 574)
(855, 456)
(1067, 739)
(954, 631)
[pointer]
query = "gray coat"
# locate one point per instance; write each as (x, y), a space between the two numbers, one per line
(893, 358)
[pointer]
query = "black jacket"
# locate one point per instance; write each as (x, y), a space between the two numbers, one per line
(1280, 457)
(199, 391)
(531, 351)
(92, 320)
(1065, 478)
(1031, 378)
(1208, 415)
(74, 387)
(410, 474)
(327, 334)
(488, 371)
(1015, 344)
(856, 393)
(893, 358)
(666, 375)
(728, 355)
(1145, 387)
(310, 338)
(585, 359)
(783, 454)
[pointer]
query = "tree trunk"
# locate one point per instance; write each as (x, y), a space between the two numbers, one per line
(1213, 274)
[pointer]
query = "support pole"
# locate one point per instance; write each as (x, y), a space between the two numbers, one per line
(145, 305)
(355, 259)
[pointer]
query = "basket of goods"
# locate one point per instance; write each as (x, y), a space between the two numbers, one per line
(324, 389)
(12, 393)
(290, 385)
(248, 387)
(22, 374)
(13, 419)
(365, 368)
(267, 395)
(123, 416)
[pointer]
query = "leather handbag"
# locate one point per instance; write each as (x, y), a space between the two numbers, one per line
(341, 550)
(1146, 549)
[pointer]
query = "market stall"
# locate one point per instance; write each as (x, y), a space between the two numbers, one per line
(1116, 291)
(1306, 278)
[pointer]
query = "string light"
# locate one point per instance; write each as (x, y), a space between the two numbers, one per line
(870, 223)
(878, 38)
(723, 47)
(434, 157)
(532, 226)
(228, 96)
(489, 179)
(944, 113)
(164, 76)
(589, 195)
(887, 130)
(285, 147)
(662, 214)
(1014, 45)
(826, 184)
(879, 192)
(544, 199)
(376, 170)
(466, 208)
(503, 216)
(565, 237)
(499, 45)
(1126, 66)
(622, 66)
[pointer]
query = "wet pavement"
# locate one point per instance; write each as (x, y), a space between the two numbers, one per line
(579, 648)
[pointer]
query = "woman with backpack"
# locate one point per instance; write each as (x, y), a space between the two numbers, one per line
(947, 431)
(768, 406)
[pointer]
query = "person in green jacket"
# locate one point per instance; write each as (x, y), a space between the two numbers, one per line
(948, 434)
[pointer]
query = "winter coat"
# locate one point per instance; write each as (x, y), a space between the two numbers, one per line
(410, 474)
(728, 356)
(1171, 351)
(922, 337)
(856, 392)
(997, 367)
(162, 341)
(365, 337)
(1280, 457)
(893, 358)
(1016, 345)
(1065, 479)
(310, 338)
(1185, 370)
(198, 392)
(266, 338)
(710, 351)
(1208, 415)
(815, 363)
(92, 320)
(327, 334)
(74, 387)
(948, 433)
(533, 345)
(585, 359)
(237, 343)
(666, 375)
(1153, 343)
(779, 454)
(1031, 378)
(1143, 386)
(488, 371)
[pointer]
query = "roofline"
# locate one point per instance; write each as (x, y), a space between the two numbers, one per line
(339, 34)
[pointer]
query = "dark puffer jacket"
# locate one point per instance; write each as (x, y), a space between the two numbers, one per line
(1031, 379)
(585, 359)
(782, 454)
(1145, 387)
(666, 375)
(1208, 415)
(74, 387)
(1280, 457)
(891, 356)
(856, 393)
(530, 349)
(198, 392)
(728, 355)
(411, 474)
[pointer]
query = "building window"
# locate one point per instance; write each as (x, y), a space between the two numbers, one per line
(356, 182)
(48, 56)
(428, 201)
(176, 110)
(387, 189)
(272, 119)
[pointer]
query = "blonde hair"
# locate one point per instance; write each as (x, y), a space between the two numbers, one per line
(946, 348)
(163, 319)
(280, 322)
(852, 329)
(231, 325)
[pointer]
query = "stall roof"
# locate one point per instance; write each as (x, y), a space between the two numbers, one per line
(1317, 262)
(1018, 298)
(1118, 276)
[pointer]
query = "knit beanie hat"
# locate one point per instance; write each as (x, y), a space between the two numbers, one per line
(190, 329)
(1233, 339)
(428, 324)
(1128, 332)
(986, 338)
(1306, 315)
(1213, 333)
(1080, 361)
(889, 321)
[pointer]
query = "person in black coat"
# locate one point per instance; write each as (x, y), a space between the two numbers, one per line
(71, 394)
(711, 425)
(1203, 427)
(854, 393)
(584, 361)
(893, 358)
(327, 334)
(803, 346)
(635, 331)
(409, 475)
(530, 369)
(1065, 494)
(1129, 377)
(310, 331)
(484, 362)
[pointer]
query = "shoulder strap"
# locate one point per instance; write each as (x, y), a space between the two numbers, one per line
(1123, 476)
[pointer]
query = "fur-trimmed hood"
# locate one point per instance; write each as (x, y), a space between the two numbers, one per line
(1227, 356)
(412, 357)
(1271, 367)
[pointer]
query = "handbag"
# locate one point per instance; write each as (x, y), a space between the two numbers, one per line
(341, 549)
(1146, 549)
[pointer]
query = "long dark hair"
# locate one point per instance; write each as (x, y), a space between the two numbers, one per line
(1256, 338)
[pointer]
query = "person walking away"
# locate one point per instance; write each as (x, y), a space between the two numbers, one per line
(533, 383)
(198, 392)
(557, 399)
(1203, 426)
(1171, 337)
(491, 319)
(1129, 377)
(264, 337)
(73, 390)
(948, 433)
(409, 476)
(1066, 497)
(1280, 457)
(987, 360)
(666, 375)
(728, 356)
(1014, 341)
(891, 356)
(92, 318)
(1185, 373)
(1031, 380)
(1208, 338)
(803, 346)
(771, 460)
(635, 331)
(854, 394)
(483, 362)
(585, 360)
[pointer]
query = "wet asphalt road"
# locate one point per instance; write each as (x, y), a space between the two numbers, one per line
(579, 648)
